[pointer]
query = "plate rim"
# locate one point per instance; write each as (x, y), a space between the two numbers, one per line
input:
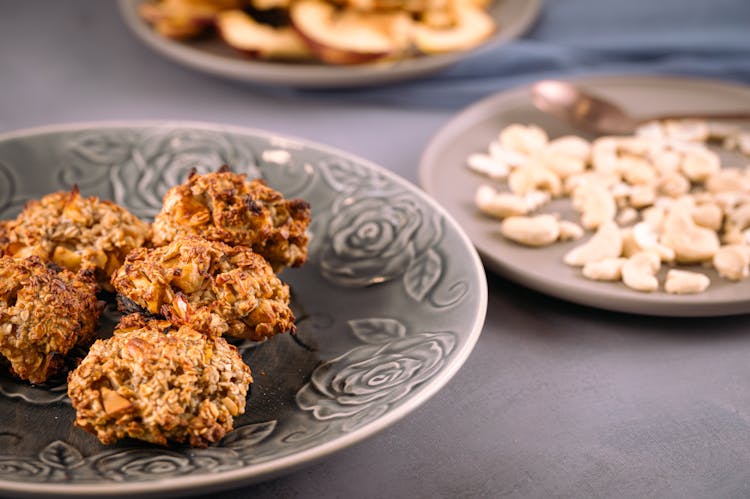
(318, 76)
(581, 295)
(262, 471)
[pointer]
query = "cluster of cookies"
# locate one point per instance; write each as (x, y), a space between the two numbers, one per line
(205, 268)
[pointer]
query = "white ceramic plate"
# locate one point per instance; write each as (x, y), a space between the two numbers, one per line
(388, 307)
(514, 18)
(444, 175)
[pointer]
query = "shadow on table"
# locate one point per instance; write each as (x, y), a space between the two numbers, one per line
(547, 316)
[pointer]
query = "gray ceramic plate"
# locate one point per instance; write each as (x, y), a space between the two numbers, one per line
(514, 18)
(443, 175)
(389, 306)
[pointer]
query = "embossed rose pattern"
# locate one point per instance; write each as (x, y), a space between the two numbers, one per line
(139, 464)
(162, 160)
(367, 381)
(371, 240)
(377, 233)
(377, 238)
(61, 462)
(142, 168)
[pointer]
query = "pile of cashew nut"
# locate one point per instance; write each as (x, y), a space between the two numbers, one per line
(658, 197)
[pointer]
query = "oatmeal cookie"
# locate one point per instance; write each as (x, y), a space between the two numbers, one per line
(76, 233)
(4, 235)
(226, 207)
(161, 383)
(45, 311)
(209, 286)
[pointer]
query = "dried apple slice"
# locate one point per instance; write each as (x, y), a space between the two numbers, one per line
(410, 6)
(472, 26)
(245, 34)
(270, 4)
(181, 19)
(348, 36)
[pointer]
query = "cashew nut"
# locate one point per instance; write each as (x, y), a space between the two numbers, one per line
(642, 195)
(708, 215)
(621, 192)
(685, 282)
(563, 166)
(738, 219)
(499, 204)
(570, 231)
(605, 243)
(728, 180)
(534, 177)
(666, 161)
(673, 184)
(595, 203)
(637, 146)
(736, 236)
(636, 170)
(629, 245)
(699, 164)
(651, 130)
(639, 271)
(489, 166)
(506, 155)
(539, 230)
(571, 146)
(690, 242)
(523, 138)
(567, 155)
(573, 182)
(627, 216)
(604, 155)
(686, 130)
(728, 201)
(609, 269)
(536, 199)
(732, 261)
(643, 237)
(654, 216)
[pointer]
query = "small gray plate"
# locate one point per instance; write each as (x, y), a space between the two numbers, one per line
(388, 307)
(444, 175)
(513, 17)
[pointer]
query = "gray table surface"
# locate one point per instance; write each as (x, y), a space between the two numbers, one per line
(556, 400)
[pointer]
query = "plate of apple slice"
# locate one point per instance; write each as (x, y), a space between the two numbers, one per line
(325, 43)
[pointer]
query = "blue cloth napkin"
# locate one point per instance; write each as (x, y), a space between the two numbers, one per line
(707, 38)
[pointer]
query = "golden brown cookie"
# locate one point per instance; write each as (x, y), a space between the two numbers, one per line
(210, 286)
(76, 233)
(45, 311)
(226, 207)
(161, 383)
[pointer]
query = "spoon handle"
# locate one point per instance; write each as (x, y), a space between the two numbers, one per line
(727, 116)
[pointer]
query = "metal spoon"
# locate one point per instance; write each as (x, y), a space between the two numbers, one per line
(598, 115)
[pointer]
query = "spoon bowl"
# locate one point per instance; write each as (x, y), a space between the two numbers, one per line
(591, 113)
